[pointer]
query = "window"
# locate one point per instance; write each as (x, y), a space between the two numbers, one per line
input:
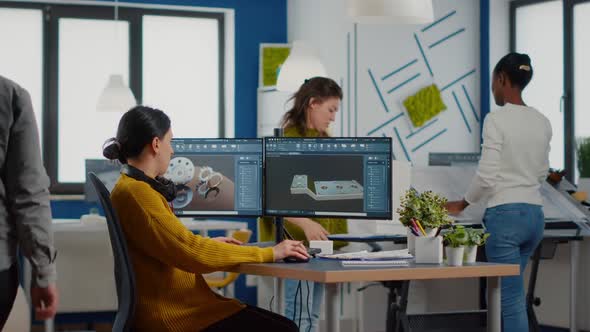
(171, 59)
(552, 31)
(182, 85)
(83, 130)
(539, 33)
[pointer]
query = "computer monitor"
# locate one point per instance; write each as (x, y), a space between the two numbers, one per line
(216, 177)
(328, 177)
(107, 171)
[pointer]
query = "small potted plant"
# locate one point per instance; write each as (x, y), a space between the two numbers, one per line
(475, 238)
(455, 239)
(583, 153)
(426, 209)
(423, 214)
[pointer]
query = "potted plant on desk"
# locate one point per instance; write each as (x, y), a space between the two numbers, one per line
(475, 238)
(583, 153)
(455, 239)
(423, 214)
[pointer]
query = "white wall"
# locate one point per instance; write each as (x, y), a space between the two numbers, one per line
(349, 52)
(347, 49)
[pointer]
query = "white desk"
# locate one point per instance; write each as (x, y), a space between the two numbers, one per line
(202, 226)
(333, 274)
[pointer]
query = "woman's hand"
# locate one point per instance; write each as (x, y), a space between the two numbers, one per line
(314, 231)
(456, 207)
(290, 248)
(229, 240)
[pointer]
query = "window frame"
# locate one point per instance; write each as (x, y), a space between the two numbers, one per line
(567, 99)
(50, 69)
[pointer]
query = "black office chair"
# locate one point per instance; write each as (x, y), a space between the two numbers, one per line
(124, 276)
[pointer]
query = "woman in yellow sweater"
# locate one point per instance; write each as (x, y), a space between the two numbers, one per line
(314, 107)
(168, 259)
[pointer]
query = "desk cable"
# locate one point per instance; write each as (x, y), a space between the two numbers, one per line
(297, 290)
(308, 313)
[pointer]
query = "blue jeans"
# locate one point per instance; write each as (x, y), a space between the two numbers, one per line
(515, 232)
(310, 311)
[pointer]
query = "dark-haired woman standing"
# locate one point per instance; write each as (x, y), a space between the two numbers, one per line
(168, 259)
(314, 107)
(514, 162)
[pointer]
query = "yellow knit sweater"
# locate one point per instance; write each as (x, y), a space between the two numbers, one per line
(168, 261)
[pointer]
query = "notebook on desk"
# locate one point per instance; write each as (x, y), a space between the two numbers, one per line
(364, 255)
(366, 237)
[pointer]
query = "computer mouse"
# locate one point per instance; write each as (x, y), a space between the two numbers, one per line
(293, 259)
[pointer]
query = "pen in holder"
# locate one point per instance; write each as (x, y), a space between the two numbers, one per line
(423, 214)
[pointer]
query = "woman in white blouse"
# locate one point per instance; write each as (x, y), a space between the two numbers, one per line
(514, 162)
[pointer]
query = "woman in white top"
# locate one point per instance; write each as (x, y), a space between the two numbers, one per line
(514, 162)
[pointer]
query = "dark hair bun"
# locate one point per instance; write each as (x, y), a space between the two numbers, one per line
(137, 128)
(111, 150)
(524, 59)
(517, 67)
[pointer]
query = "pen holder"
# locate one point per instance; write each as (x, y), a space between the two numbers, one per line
(429, 250)
(411, 238)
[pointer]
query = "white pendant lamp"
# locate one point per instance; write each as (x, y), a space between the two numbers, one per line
(301, 64)
(391, 11)
(116, 96)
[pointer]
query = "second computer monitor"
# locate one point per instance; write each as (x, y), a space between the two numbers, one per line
(216, 176)
(326, 177)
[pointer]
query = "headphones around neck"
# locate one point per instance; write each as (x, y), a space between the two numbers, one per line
(162, 185)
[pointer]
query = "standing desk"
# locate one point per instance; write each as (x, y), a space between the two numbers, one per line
(333, 274)
(567, 221)
(556, 232)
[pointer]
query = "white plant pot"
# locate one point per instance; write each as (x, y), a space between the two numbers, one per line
(411, 242)
(454, 256)
(429, 250)
(470, 254)
(584, 185)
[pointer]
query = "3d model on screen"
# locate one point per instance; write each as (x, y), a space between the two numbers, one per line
(209, 181)
(181, 171)
(326, 190)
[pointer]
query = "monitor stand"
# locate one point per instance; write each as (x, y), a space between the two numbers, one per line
(279, 229)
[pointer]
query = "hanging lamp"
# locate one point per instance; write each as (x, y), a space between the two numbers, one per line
(301, 64)
(391, 11)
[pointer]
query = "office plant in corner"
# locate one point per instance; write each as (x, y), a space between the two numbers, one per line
(455, 240)
(583, 154)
